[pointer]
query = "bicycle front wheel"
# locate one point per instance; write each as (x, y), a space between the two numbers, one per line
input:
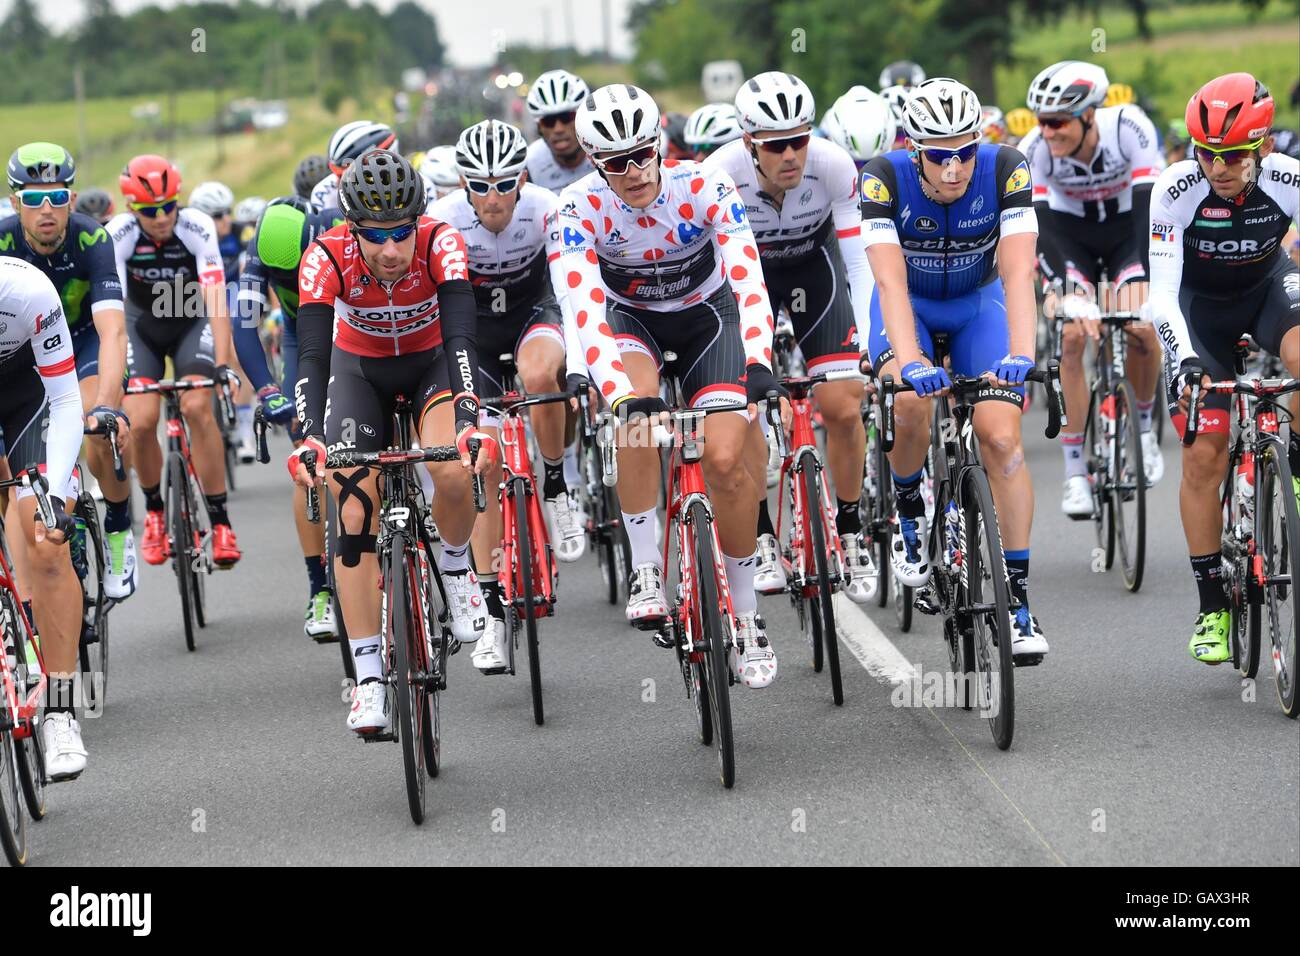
(407, 673)
(13, 821)
(524, 578)
(711, 639)
(182, 540)
(988, 603)
(1128, 487)
(1277, 540)
(821, 606)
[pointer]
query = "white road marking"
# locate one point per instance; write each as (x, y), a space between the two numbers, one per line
(868, 643)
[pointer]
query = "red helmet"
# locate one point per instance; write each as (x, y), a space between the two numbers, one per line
(150, 178)
(1232, 110)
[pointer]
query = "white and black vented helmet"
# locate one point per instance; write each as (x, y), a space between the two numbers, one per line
(616, 118)
(212, 197)
(490, 149)
(939, 108)
(439, 167)
(774, 102)
(1070, 86)
(352, 139)
(903, 73)
(862, 122)
(712, 125)
(555, 91)
(383, 186)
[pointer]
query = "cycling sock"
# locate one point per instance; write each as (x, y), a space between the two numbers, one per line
(217, 509)
(572, 471)
(1018, 574)
(117, 515)
(59, 696)
(316, 579)
(491, 586)
(1145, 410)
(553, 484)
(643, 538)
(765, 519)
(454, 559)
(152, 497)
(1076, 466)
(365, 658)
(1293, 453)
(1207, 569)
(907, 495)
(244, 422)
(848, 519)
(27, 609)
(740, 581)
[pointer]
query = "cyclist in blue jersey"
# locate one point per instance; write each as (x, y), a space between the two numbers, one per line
(286, 228)
(945, 220)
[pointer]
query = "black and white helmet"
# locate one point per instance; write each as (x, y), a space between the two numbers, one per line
(1070, 86)
(352, 139)
(712, 125)
(939, 108)
(382, 186)
(555, 91)
(903, 73)
(774, 102)
(616, 118)
(439, 168)
(490, 149)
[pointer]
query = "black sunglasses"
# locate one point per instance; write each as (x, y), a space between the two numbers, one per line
(546, 122)
(940, 155)
(780, 144)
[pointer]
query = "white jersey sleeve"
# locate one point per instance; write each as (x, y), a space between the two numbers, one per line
(842, 179)
(1172, 208)
(198, 233)
(123, 230)
(1137, 141)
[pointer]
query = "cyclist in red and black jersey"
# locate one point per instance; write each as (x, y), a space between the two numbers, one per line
(393, 285)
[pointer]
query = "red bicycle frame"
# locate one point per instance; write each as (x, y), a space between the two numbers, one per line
(802, 561)
(515, 464)
(20, 711)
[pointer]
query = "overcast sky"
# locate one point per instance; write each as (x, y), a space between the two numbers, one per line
(468, 28)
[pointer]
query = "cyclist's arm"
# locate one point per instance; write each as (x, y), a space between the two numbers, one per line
(107, 312)
(877, 186)
(458, 316)
(1137, 138)
(1166, 224)
(199, 234)
(251, 304)
(52, 346)
(847, 215)
(574, 245)
(723, 208)
(318, 286)
(573, 363)
(1016, 254)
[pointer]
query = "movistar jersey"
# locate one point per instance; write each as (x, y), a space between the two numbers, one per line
(83, 270)
(950, 249)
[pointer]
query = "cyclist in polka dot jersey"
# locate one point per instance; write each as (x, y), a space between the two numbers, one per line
(658, 256)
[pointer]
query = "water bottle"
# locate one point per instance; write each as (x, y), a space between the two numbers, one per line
(1246, 495)
(951, 530)
(77, 545)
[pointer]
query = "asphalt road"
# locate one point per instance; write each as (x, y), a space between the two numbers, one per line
(1126, 750)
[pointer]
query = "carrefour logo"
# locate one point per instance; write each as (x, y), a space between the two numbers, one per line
(572, 237)
(686, 231)
(738, 212)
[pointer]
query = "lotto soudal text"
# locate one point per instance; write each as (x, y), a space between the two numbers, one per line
(78, 909)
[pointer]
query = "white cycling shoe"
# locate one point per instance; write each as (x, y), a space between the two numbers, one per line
(369, 713)
(753, 657)
(121, 565)
(773, 465)
(568, 527)
(490, 652)
(1076, 497)
(769, 576)
(1153, 462)
(907, 551)
(1026, 636)
(247, 450)
(65, 754)
(647, 600)
(465, 601)
(864, 578)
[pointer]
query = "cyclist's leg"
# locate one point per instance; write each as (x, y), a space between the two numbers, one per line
(311, 536)
(638, 459)
(194, 358)
(1277, 330)
(912, 414)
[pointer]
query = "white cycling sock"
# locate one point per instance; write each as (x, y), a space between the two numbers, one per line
(643, 538)
(1072, 449)
(572, 473)
(365, 658)
(1145, 410)
(453, 558)
(740, 580)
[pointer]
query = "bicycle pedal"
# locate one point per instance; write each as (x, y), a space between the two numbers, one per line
(663, 639)
(924, 601)
(493, 670)
(648, 623)
(1090, 516)
(325, 638)
(1027, 660)
(386, 736)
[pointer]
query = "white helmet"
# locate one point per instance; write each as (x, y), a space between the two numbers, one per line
(249, 210)
(555, 91)
(939, 108)
(1070, 86)
(212, 198)
(616, 118)
(439, 168)
(713, 125)
(862, 122)
(6, 208)
(490, 149)
(896, 97)
(352, 139)
(774, 102)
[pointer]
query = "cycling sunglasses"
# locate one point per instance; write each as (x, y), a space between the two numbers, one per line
(35, 198)
(942, 154)
(640, 157)
(1056, 122)
(481, 187)
(1230, 155)
(152, 210)
(546, 122)
(780, 144)
(380, 236)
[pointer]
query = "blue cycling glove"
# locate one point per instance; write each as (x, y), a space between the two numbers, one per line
(275, 406)
(1013, 369)
(926, 379)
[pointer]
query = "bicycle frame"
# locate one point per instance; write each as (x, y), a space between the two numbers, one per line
(21, 707)
(802, 440)
(517, 465)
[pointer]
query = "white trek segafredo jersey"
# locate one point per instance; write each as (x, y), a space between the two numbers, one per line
(1126, 155)
(544, 171)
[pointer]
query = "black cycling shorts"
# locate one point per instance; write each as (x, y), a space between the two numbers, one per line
(362, 393)
(815, 294)
(24, 411)
(706, 338)
(506, 333)
(1069, 248)
(150, 341)
(1265, 312)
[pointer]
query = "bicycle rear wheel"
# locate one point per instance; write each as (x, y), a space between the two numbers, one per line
(879, 507)
(711, 639)
(988, 597)
(1128, 487)
(524, 578)
(434, 653)
(821, 606)
(182, 540)
(29, 752)
(1097, 447)
(1277, 538)
(406, 673)
(93, 648)
(13, 819)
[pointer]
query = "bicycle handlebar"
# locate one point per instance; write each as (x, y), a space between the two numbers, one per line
(31, 477)
(513, 400)
(108, 430)
(410, 456)
(1257, 387)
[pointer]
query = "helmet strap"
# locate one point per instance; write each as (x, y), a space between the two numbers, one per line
(1083, 140)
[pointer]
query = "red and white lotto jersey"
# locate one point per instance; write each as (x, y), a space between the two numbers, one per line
(374, 318)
